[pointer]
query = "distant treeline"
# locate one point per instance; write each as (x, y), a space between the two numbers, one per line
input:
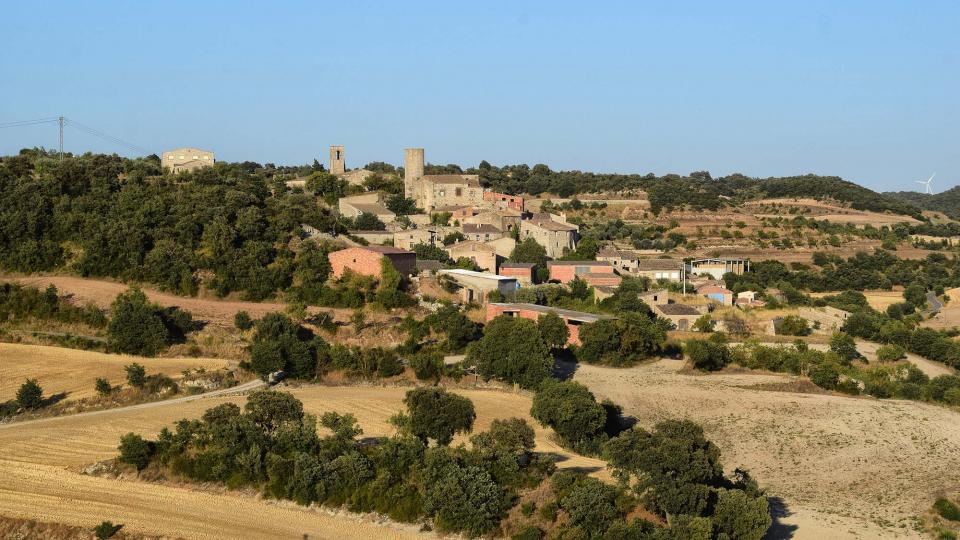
(697, 190)
(947, 202)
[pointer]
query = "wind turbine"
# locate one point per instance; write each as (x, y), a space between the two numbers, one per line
(926, 184)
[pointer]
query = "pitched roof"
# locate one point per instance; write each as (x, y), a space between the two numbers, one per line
(550, 225)
(470, 245)
(480, 228)
(711, 289)
(677, 309)
(578, 263)
(659, 264)
(386, 250)
(471, 180)
(471, 273)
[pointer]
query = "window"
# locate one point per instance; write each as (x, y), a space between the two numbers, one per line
(458, 192)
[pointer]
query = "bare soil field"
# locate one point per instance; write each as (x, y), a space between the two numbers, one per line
(41, 464)
(74, 372)
(844, 467)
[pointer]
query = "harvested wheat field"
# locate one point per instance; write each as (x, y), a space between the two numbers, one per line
(74, 372)
(949, 315)
(41, 462)
(844, 467)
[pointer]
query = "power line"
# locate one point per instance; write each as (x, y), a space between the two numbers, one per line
(23, 123)
(107, 137)
(63, 121)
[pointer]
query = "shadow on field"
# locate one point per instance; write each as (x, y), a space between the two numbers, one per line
(53, 399)
(564, 366)
(779, 530)
(559, 458)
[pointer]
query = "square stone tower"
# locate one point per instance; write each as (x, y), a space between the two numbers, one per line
(338, 165)
(413, 172)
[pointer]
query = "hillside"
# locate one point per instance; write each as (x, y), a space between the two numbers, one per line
(947, 202)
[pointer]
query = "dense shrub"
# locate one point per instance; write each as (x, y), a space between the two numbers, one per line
(623, 341)
(571, 410)
(512, 349)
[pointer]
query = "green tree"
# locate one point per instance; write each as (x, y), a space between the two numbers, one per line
(843, 345)
(512, 349)
(436, 414)
(570, 409)
(30, 394)
(135, 450)
(242, 321)
(103, 387)
(704, 323)
(529, 251)
(135, 326)
(707, 355)
(270, 409)
(792, 325)
(737, 514)
(553, 330)
(136, 375)
(106, 529)
(890, 353)
(916, 294)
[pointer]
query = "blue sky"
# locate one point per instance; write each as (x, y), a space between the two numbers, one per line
(866, 90)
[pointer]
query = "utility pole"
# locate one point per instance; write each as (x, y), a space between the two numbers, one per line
(60, 121)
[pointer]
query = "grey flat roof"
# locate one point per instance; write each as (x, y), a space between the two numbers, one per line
(565, 313)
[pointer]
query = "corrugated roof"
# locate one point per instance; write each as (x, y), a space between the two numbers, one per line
(578, 263)
(565, 313)
(471, 273)
(659, 264)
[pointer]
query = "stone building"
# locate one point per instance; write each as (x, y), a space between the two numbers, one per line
(681, 315)
(366, 260)
(432, 191)
(186, 159)
(483, 255)
(476, 286)
(717, 267)
(338, 167)
(554, 235)
(481, 232)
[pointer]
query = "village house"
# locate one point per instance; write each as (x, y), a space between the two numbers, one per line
(408, 238)
(573, 319)
(374, 237)
(504, 246)
(481, 232)
(593, 272)
(522, 271)
(366, 260)
(503, 201)
(556, 236)
(660, 269)
(476, 286)
(483, 255)
(505, 220)
(717, 293)
(681, 315)
(186, 159)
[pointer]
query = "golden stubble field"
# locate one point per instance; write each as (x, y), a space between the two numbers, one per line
(74, 372)
(40, 464)
(845, 467)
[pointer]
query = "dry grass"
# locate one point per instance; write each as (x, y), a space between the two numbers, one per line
(74, 372)
(40, 465)
(845, 467)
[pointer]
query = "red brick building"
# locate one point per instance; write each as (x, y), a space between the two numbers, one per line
(365, 260)
(573, 319)
(522, 271)
(595, 273)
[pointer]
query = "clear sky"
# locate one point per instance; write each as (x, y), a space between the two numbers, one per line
(868, 90)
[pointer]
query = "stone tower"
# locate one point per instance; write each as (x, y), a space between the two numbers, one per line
(337, 164)
(412, 172)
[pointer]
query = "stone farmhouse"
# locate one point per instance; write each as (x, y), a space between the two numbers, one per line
(186, 159)
(552, 232)
(483, 255)
(481, 232)
(367, 203)
(476, 286)
(681, 315)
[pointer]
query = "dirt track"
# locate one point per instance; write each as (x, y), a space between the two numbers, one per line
(38, 471)
(845, 467)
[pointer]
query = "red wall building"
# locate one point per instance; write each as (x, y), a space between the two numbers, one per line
(504, 200)
(573, 319)
(365, 260)
(595, 273)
